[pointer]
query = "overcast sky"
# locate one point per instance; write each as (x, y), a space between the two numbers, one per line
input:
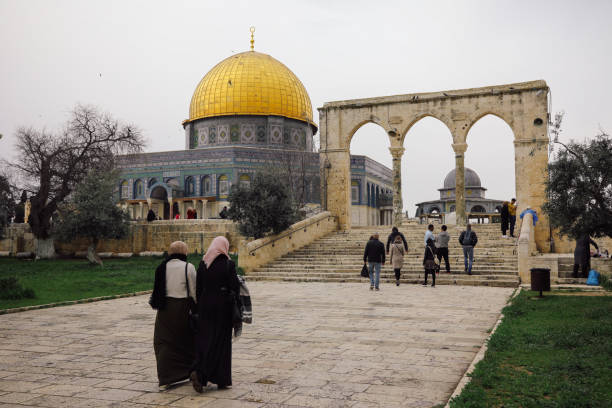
(141, 61)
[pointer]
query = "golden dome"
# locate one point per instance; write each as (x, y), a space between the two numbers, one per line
(250, 83)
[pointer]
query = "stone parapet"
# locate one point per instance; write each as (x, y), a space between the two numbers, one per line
(264, 250)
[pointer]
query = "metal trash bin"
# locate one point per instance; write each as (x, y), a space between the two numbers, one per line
(540, 280)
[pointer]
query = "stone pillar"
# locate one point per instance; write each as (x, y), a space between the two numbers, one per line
(336, 185)
(171, 208)
(140, 210)
(204, 205)
(460, 149)
(397, 153)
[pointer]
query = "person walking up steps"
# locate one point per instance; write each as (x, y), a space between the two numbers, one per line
(429, 234)
(392, 237)
(442, 248)
(505, 218)
(374, 254)
(468, 241)
(512, 215)
(429, 263)
(397, 257)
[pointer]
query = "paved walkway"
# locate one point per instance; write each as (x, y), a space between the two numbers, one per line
(312, 345)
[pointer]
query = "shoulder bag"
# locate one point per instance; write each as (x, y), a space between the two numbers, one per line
(192, 313)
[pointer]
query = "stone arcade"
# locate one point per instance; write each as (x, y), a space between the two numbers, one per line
(523, 106)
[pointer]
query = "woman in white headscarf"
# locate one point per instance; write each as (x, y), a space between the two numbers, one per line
(216, 280)
(173, 340)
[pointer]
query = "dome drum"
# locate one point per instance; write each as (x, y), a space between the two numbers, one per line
(240, 130)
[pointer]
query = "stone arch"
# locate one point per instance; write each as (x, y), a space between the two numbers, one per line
(139, 189)
(478, 209)
(359, 125)
(438, 116)
(206, 185)
(476, 116)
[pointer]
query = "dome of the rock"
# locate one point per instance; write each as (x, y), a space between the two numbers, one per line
(250, 83)
(471, 179)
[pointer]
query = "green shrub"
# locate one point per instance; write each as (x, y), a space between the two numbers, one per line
(605, 282)
(10, 288)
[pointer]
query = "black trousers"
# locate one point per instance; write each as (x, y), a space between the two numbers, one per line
(443, 253)
(504, 226)
(433, 276)
(585, 269)
(397, 273)
(512, 222)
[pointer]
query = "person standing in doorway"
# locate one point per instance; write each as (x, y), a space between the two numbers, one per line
(512, 215)
(374, 255)
(429, 234)
(397, 257)
(442, 247)
(505, 217)
(468, 241)
(582, 255)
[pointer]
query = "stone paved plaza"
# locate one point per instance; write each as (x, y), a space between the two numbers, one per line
(311, 345)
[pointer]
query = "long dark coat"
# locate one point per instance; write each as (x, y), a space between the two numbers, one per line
(214, 339)
(582, 253)
(505, 216)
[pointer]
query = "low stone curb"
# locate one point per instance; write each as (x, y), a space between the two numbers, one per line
(73, 302)
(479, 356)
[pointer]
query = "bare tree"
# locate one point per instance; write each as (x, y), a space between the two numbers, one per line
(51, 164)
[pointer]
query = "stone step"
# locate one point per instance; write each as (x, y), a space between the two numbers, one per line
(291, 269)
(387, 274)
(439, 281)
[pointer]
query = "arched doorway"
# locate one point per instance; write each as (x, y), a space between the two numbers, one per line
(159, 201)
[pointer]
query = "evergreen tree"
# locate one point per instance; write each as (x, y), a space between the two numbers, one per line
(7, 204)
(262, 207)
(92, 213)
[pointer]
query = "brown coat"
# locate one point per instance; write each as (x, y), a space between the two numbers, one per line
(397, 255)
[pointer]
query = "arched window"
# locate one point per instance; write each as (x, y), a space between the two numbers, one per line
(245, 180)
(138, 189)
(498, 209)
(124, 189)
(369, 195)
(223, 186)
(189, 186)
(206, 186)
(355, 191)
(478, 209)
(434, 210)
(152, 181)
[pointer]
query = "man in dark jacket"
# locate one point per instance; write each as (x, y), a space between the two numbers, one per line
(374, 255)
(582, 255)
(394, 233)
(468, 241)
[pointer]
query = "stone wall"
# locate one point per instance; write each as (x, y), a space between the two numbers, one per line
(264, 250)
(153, 236)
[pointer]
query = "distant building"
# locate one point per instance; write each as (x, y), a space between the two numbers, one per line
(475, 201)
(249, 112)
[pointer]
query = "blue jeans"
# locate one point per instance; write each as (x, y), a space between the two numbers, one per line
(468, 253)
(374, 273)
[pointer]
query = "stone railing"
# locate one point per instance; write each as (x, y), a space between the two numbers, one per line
(526, 247)
(261, 251)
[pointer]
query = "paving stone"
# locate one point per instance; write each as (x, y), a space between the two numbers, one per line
(311, 345)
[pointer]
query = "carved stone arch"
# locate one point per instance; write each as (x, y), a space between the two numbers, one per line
(481, 113)
(439, 116)
(371, 119)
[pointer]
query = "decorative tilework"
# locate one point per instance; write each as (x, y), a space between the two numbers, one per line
(286, 136)
(261, 134)
(276, 134)
(212, 135)
(295, 137)
(224, 134)
(247, 134)
(203, 132)
(234, 133)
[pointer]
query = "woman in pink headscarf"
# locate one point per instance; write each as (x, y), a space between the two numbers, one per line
(216, 279)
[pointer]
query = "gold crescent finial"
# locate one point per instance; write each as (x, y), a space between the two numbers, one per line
(252, 29)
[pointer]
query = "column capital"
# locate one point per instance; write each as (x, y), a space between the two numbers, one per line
(397, 152)
(459, 148)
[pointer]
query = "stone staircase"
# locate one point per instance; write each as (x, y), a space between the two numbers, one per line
(338, 257)
(566, 269)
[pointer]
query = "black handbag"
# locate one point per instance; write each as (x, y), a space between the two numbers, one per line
(192, 313)
(365, 272)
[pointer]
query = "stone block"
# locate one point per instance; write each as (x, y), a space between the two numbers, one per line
(4, 253)
(24, 255)
(105, 254)
(123, 255)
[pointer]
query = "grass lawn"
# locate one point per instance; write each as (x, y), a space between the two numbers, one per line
(71, 279)
(551, 352)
